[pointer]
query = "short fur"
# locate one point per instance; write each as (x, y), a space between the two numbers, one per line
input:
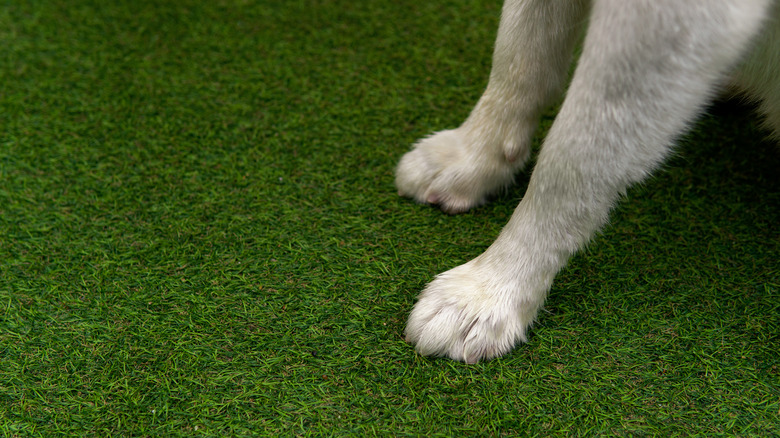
(648, 68)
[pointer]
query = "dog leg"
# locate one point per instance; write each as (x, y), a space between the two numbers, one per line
(647, 70)
(758, 77)
(457, 169)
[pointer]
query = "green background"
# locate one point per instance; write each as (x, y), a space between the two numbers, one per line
(200, 236)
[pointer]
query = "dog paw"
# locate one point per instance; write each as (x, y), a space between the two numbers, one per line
(469, 315)
(450, 170)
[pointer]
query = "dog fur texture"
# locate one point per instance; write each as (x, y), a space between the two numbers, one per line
(648, 68)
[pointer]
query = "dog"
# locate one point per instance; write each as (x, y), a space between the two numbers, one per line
(647, 69)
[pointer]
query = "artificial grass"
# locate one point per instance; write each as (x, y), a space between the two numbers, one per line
(199, 236)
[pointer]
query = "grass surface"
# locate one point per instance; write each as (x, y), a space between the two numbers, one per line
(199, 236)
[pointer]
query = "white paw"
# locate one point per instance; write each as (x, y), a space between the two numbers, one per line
(452, 171)
(470, 314)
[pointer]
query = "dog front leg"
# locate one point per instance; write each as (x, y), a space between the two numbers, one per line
(457, 169)
(647, 70)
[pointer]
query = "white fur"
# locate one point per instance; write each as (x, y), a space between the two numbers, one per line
(647, 69)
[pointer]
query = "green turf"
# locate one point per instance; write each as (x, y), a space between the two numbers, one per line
(200, 236)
